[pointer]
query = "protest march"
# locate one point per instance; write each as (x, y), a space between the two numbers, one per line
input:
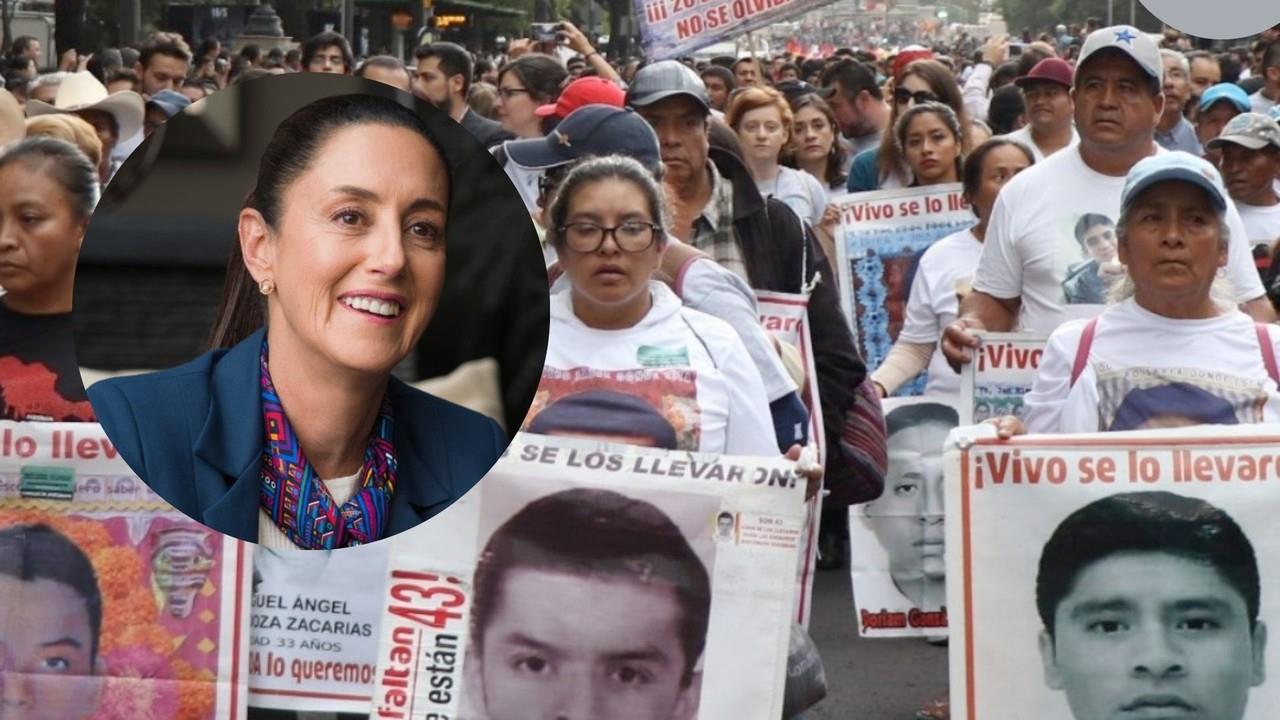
(662, 359)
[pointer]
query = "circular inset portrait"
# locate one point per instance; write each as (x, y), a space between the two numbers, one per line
(308, 305)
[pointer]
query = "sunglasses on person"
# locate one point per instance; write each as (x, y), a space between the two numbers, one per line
(902, 96)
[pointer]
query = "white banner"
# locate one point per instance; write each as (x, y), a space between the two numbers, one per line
(1001, 374)
(587, 579)
(1118, 575)
(315, 628)
(878, 243)
(896, 542)
(786, 316)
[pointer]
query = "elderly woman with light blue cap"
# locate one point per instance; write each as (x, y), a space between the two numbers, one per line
(1171, 337)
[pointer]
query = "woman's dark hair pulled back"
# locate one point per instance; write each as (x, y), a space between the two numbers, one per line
(291, 150)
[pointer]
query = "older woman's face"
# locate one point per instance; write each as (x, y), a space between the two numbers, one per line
(814, 135)
(998, 168)
(1174, 244)
(358, 255)
(609, 278)
(515, 107)
(40, 236)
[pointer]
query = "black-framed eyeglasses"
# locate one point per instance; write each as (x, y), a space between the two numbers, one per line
(902, 96)
(508, 93)
(632, 236)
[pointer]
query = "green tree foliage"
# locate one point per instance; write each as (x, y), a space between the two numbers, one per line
(1040, 16)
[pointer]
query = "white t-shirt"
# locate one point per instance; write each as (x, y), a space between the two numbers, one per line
(1143, 366)
(1261, 222)
(1023, 135)
(934, 303)
(1032, 250)
(1261, 103)
(677, 374)
(799, 190)
(269, 535)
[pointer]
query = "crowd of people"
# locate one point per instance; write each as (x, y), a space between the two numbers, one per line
(1125, 191)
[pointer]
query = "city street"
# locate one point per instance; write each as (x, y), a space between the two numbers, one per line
(869, 679)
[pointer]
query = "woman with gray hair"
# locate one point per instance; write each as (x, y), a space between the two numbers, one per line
(48, 189)
(1167, 352)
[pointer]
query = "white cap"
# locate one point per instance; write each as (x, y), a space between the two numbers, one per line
(1128, 40)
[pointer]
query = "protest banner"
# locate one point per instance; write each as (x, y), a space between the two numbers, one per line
(896, 542)
(1113, 575)
(878, 244)
(315, 622)
(116, 606)
(1001, 374)
(786, 316)
(580, 570)
(669, 28)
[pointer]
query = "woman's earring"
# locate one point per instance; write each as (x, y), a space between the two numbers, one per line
(266, 286)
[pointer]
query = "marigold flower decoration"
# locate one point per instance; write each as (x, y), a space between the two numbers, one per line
(143, 680)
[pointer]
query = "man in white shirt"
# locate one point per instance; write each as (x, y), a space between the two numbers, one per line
(1250, 146)
(1269, 96)
(1050, 112)
(1031, 241)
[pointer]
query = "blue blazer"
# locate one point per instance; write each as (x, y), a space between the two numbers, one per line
(194, 434)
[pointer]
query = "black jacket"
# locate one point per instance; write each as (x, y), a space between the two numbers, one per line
(488, 132)
(780, 254)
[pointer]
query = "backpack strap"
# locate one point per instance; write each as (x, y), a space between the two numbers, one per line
(1082, 350)
(1268, 352)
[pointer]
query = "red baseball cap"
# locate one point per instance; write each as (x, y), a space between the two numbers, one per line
(1054, 70)
(906, 56)
(584, 91)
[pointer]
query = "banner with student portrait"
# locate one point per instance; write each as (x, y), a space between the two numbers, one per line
(315, 623)
(878, 246)
(1125, 574)
(786, 317)
(896, 542)
(649, 583)
(1001, 374)
(670, 28)
(115, 605)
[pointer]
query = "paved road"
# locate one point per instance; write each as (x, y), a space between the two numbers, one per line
(869, 679)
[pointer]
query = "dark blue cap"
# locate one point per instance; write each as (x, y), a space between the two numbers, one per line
(591, 130)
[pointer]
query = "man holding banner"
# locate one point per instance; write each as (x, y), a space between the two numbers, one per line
(1031, 244)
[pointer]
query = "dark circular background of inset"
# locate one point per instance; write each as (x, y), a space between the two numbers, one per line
(154, 259)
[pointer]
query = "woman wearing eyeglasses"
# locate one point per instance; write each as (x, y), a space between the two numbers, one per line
(922, 81)
(626, 361)
(523, 85)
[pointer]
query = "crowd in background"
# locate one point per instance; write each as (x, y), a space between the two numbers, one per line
(716, 178)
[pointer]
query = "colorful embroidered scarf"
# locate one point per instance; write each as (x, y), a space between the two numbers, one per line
(296, 498)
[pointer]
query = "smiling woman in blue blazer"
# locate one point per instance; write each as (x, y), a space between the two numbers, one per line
(295, 434)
